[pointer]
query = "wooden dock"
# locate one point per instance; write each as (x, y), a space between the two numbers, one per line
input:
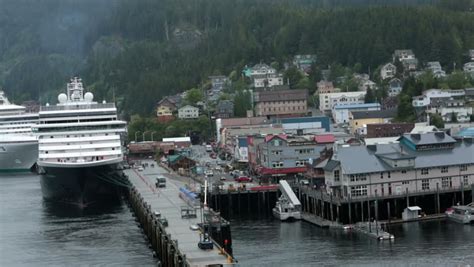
(316, 220)
(176, 243)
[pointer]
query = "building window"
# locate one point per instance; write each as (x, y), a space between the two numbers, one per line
(276, 152)
(444, 169)
(446, 182)
(463, 168)
(276, 143)
(277, 164)
(404, 171)
(336, 175)
(388, 174)
(425, 184)
(358, 177)
(424, 171)
(465, 180)
(360, 190)
(301, 163)
(406, 182)
(381, 175)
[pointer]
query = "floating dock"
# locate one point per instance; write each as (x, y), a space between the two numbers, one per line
(159, 211)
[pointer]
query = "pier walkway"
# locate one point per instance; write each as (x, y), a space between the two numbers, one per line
(167, 202)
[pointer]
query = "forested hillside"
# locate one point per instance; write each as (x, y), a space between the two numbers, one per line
(142, 50)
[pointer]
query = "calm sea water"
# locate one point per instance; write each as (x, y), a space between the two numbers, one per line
(35, 233)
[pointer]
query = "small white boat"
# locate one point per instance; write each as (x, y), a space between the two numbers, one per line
(286, 211)
(461, 214)
(288, 207)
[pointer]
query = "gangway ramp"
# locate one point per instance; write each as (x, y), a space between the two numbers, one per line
(286, 191)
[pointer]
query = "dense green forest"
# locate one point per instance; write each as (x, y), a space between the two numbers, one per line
(139, 51)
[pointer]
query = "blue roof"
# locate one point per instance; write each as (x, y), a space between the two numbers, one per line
(467, 132)
(366, 105)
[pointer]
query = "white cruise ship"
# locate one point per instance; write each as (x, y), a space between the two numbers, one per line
(18, 146)
(80, 147)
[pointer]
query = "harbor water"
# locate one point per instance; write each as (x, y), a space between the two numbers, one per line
(37, 233)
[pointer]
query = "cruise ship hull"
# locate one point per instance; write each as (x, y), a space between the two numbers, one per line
(82, 186)
(18, 156)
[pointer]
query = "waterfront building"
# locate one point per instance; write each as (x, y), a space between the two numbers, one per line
(281, 155)
(420, 163)
(327, 101)
(237, 122)
(424, 100)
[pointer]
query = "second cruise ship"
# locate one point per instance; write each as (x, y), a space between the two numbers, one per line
(80, 148)
(18, 146)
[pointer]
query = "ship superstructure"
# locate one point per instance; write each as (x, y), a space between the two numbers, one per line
(18, 145)
(80, 146)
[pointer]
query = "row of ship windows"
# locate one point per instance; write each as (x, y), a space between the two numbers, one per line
(78, 120)
(81, 128)
(82, 135)
(46, 152)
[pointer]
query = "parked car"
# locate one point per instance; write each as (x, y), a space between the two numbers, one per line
(208, 173)
(223, 178)
(194, 227)
(304, 182)
(213, 155)
(242, 179)
(140, 169)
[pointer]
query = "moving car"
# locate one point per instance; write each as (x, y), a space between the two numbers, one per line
(242, 179)
(160, 182)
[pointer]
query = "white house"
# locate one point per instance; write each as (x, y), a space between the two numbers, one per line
(328, 100)
(261, 69)
(404, 54)
(456, 107)
(394, 87)
(471, 54)
(267, 80)
(188, 112)
(388, 71)
(366, 84)
(435, 68)
(469, 67)
(425, 99)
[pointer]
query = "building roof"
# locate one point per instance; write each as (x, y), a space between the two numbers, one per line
(366, 159)
(271, 136)
(331, 165)
(381, 140)
(420, 128)
(354, 106)
(301, 119)
(369, 114)
(177, 139)
(188, 107)
(428, 138)
(243, 121)
(325, 138)
(225, 104)
(282, 95)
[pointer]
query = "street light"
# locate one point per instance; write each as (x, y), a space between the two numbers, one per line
(136, 135)
(143, 135)
(152, 133)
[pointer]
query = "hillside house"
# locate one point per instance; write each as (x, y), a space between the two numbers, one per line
(188, 112)
(388, 71)
(283, 102)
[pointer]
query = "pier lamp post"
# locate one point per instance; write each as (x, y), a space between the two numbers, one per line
(136, 135)
(143, 135)
(152, 133)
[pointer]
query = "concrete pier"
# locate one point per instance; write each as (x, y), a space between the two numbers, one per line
(173, 240)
